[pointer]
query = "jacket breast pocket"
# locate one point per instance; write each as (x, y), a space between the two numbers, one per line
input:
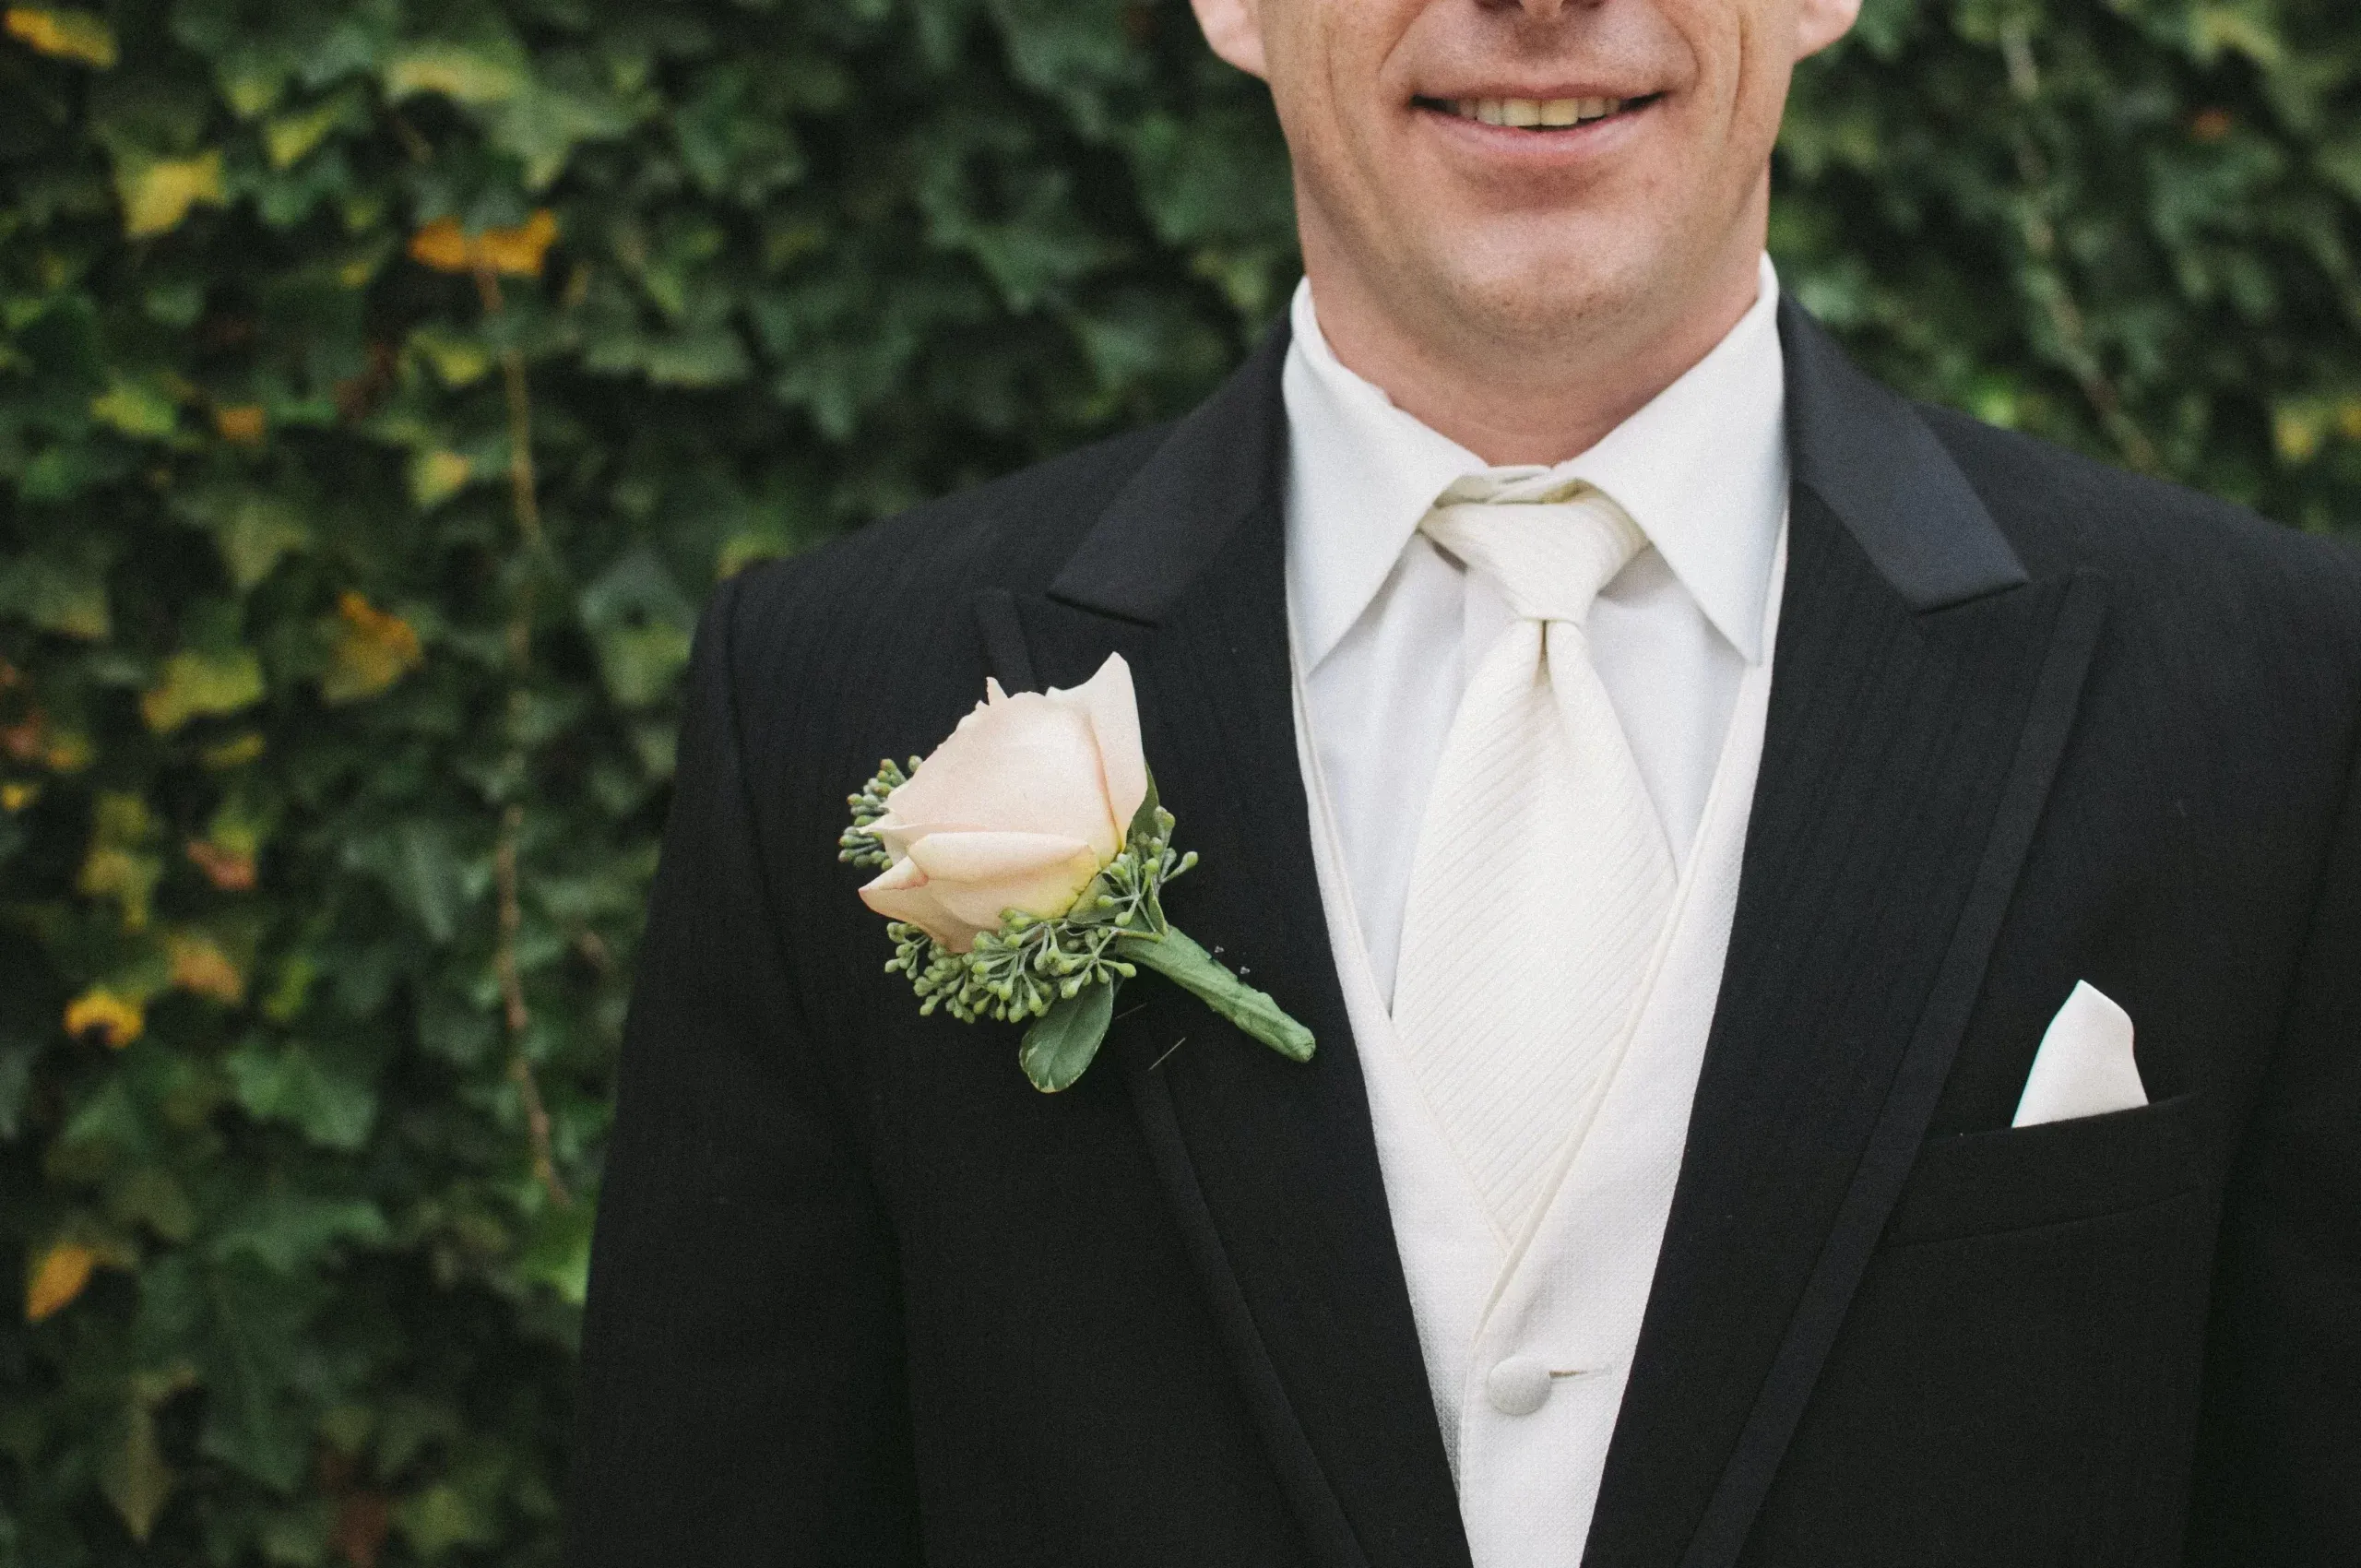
(2017, 1378)
(1979, 1183)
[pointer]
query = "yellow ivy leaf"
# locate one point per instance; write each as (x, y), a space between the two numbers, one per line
(516, 252)
(66, 35)
(436, 476)
(443, 246)
(201, 967)
(373, 650)
(2298, 429)
(288, 138)
(15, 798)
(520, 251)
(157, 192)
(244, 424)
(58, 1275)
(2348, 419)
(113, 1021)
(196, 684)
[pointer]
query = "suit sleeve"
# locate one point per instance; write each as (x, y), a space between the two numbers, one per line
(741, 1388)
(2279, 1463)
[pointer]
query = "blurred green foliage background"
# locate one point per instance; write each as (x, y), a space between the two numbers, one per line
(382, 382)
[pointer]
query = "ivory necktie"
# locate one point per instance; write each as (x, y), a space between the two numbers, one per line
(1542, 877)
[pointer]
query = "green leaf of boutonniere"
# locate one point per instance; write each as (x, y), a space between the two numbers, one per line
(1064, 1041)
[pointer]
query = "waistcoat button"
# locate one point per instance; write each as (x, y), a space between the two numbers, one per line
(1518, 1386)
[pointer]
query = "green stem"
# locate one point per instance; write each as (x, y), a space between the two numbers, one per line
(1198, 972)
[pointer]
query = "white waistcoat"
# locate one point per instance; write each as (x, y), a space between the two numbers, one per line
(1528, 1347)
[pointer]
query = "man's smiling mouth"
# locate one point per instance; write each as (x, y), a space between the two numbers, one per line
(1536, 114)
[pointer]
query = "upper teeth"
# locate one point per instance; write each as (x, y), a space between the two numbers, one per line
(1536, 111)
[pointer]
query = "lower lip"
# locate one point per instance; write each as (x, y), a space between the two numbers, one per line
(1542, 148)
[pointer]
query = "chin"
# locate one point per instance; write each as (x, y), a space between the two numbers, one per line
(1561, 285)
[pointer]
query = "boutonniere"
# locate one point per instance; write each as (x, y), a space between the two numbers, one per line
(1023, 867)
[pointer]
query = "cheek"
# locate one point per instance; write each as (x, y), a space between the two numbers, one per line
(1765, 56)
(1741, 88)
(1332, 75)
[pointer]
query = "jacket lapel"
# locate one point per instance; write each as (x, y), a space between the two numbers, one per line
(1270, 1169)
(1922, 693)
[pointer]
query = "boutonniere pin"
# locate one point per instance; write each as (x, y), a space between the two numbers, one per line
(1023, 867)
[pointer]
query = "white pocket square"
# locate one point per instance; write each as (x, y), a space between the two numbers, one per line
(2085, 1065)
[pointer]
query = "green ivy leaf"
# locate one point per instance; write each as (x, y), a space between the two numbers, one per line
(134, 1475)
(417, 860)
(440, 1519)
(291, 1083)
(253, 529)
(250, 1328)
(59, 592)
(16, 1058)
(286, 1231)
(137, 408)
(642, 625)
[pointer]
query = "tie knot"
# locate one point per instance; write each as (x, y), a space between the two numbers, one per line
(1549, 545)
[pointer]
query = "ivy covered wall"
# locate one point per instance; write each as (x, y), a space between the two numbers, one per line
(382, 382)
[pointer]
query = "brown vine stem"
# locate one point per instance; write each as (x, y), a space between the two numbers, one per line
(507, 875)
(515, 1012)
(2040, 238)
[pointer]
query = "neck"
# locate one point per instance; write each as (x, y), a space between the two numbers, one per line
(1528, 397)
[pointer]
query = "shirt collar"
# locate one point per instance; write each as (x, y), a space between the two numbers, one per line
(1703, 470)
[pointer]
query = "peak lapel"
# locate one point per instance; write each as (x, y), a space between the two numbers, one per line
(1270, 1167)
(1923, 694)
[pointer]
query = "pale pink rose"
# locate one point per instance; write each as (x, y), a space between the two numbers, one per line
(1018, 809)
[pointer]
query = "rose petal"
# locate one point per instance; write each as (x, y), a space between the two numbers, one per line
(902, 892)
(1115, 712)
(899, 837)
(1024, 765)
(978, 877)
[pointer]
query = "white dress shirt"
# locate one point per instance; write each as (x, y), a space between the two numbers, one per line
(1528, 1342)
(1388, 629)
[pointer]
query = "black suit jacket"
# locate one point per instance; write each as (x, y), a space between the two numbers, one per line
(861, 1296)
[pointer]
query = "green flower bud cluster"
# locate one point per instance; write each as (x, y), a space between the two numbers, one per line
(1029, 965)
(857, 845)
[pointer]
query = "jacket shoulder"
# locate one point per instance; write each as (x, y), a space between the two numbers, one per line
(1013, 532)
(2170, 549)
